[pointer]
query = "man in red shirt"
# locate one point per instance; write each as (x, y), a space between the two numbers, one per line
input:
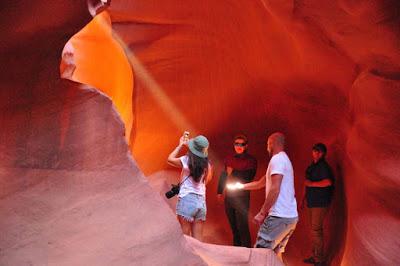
(239, 167)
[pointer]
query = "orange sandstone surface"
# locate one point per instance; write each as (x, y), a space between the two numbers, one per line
(91, 107)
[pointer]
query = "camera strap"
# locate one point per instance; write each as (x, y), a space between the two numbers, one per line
(180, 183)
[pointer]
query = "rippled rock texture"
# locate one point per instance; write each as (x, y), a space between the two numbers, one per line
(71, 194)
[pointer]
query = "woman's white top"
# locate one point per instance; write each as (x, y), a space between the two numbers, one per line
(189, 185)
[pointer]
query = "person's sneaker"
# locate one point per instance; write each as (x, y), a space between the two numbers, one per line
(309, 260)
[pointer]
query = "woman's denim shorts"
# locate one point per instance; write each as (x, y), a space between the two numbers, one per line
(192, 207)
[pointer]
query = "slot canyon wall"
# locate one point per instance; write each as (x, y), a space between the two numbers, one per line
(316, 70)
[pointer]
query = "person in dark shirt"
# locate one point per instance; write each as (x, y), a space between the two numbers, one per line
(319, 189)
(240, 167)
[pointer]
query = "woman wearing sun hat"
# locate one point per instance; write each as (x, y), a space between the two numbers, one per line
(196, 173)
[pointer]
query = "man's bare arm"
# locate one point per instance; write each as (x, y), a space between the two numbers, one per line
(255, 184)
(276, 181)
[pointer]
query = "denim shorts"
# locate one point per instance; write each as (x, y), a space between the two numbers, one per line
(275, 232)
(192, 207)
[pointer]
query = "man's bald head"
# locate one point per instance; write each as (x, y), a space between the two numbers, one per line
(279, 138)
(276, 143)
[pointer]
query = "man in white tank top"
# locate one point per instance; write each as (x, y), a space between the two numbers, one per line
(280, 202)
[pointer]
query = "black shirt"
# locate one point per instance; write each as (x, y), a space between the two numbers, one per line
(244, 167)
(319, 196)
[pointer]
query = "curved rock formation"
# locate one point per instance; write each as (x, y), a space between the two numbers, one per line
(71, 194)
(319, 72)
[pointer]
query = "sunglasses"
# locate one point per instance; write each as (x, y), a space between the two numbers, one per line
(240, 144)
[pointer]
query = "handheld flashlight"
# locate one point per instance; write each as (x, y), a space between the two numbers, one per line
(235, 186)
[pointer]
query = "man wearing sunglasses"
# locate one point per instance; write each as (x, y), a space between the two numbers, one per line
(239, 167)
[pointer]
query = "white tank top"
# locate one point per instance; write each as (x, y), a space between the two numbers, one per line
(189, 185)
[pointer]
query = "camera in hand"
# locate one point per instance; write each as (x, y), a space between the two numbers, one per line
(174, 191)
(186, 135)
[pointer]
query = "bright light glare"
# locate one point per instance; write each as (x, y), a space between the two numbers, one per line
(235, 186)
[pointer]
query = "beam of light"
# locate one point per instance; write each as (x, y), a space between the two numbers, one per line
(157, 91)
